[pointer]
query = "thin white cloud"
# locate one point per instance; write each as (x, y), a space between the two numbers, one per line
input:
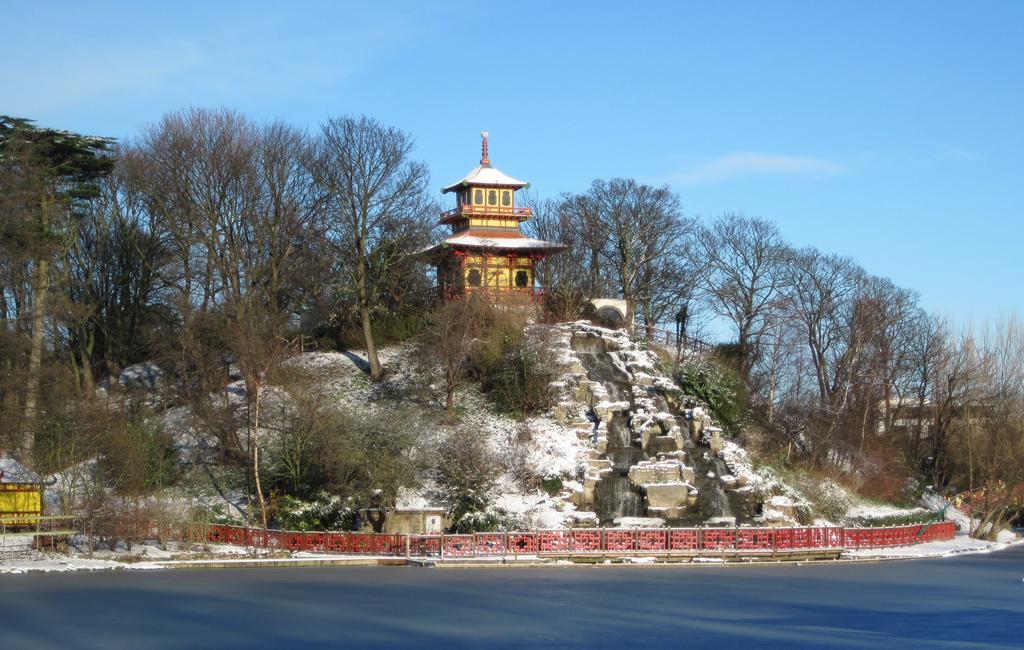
(746, 164)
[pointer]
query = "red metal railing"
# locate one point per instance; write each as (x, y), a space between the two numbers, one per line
(486, 211)
(531, 294)
(583, 541)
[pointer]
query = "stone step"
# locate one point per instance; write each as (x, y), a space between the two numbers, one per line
(667, 470)
(662, 445)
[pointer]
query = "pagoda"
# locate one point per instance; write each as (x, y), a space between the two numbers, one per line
(487, 251)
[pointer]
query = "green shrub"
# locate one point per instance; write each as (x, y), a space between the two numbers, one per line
(318, 448)
(326, 344)
(718, 387)
(496, 520)
(325, 512)
(501, 334)
(467, 471)
(138, 456)
(830, 500)
(398, 328)
(552, 485)
(216, 513)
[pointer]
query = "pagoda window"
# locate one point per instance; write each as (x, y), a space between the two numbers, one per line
(506, 198)
(464, 198)
(498, 279)
(478, 197)
(492, 197)
(522, 279)
(473, 277)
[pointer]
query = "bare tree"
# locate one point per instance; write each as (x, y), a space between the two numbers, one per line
(233, 199)
(927, 346)
(988, 425)
(744, 258)
(566, 278)
(885, 316)
(110, 277)
(379, 210)
(671, 283)
(822, 293)
(449, 338)
(632, 232)
(777, 374)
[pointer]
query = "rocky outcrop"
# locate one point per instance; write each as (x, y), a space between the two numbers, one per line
(653, 455)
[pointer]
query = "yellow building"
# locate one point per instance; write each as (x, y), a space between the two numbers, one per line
(21, 493)
(487, 250)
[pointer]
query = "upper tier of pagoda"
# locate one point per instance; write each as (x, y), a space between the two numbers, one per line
(488, 193)
(486, 250)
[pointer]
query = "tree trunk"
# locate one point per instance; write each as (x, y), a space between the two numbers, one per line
(35, 360)
(85, 358)
(451, 379)
(376, 370)
(744, 349)
(645, 310)
(627, 295)
(256, 459)
(864, 424)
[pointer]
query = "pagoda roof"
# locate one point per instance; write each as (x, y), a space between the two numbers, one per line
(486, 175)
(483, 241)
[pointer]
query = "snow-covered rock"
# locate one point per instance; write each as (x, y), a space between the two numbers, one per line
(145, 376)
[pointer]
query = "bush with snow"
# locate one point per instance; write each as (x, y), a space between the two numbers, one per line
(325, 512)
(715, 386)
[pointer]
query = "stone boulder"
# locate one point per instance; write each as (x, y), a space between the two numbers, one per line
(144, 376)
(605, 410)
(668, 495)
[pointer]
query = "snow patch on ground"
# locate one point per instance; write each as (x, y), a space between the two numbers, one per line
(880, 511)
(537, 508)
(51, 563)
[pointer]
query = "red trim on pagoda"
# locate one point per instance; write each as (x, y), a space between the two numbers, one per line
(490, 234)
(485, 211)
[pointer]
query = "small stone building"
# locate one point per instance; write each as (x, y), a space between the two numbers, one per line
(417, 521)
(415, 515)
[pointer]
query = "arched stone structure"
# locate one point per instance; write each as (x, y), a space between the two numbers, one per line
(612, 310)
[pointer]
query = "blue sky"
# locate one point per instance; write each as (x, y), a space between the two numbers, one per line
(891, 131)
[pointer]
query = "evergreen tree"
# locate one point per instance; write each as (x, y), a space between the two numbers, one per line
(46, 178)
